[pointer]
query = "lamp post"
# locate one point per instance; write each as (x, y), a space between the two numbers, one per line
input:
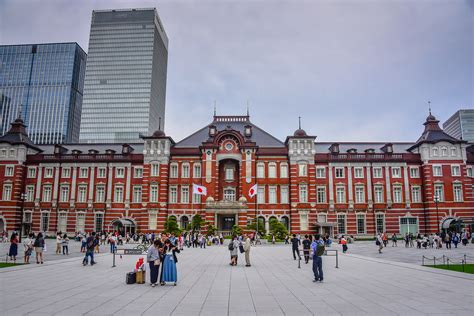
(436, 200)
(22, 199)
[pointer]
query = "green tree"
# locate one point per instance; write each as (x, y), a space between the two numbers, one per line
(236, 230)
(171, 226)
(261, 227)
(197, 222)
(277, 229)
(211, 230)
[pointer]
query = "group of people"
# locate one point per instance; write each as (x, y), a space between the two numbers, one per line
(164, 254)
(32, 243)
(240, 244)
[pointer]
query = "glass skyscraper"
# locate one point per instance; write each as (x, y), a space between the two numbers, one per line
(125, 85)
(461, 125)
(43, 83)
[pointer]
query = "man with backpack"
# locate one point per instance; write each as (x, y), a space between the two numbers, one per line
(91, 242)
(317, 247)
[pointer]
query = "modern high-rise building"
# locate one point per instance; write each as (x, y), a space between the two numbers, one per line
(43, 83)
(125, 85)
(461, 125)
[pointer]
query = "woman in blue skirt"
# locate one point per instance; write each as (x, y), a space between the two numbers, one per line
(168, 270)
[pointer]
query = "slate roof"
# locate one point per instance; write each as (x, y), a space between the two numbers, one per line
(238, 123)
(17, 135)
(399, 147)
(84, 148)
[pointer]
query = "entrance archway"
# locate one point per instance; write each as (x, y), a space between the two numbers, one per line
(452, 224)
(123, 226)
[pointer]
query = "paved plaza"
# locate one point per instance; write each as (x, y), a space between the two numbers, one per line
(365, 283)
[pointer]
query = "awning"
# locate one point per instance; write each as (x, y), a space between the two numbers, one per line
(124, 222)
(447, 222)
(324, 224)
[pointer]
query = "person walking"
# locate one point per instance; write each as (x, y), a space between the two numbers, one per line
(447, 240)
(112, 242)
(39, 246)
(394, 240)
(169, 272)
(91, 243)
(28, 248)
(273, 239)
(344, 244)
(379, 242)
(83, 243)
(234, 250)
(65, 244)
(59, 241)
(153, 257)
(306, 248)
(317, 247)
(295, 242)
(247, 246)
(13, 251)
(455, 240)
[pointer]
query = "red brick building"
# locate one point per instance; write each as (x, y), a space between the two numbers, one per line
(350, 188)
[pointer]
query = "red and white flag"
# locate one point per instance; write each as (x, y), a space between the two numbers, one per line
(199, 189)
(253, 191)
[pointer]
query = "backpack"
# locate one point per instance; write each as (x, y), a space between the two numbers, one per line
(37, 243)
(320, 250)
(231, 246)
(90, 244)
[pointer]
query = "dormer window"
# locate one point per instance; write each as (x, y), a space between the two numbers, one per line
(388, 148)
(212, 130)
(93, 152)
(248, 131)
(126, 149)
(370, 151)
(334, 149)
(76, 152)
(110, 151)
(352, 151)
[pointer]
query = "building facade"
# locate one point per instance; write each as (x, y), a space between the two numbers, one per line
(461, 125)
(125, 87)
(43, 84)
(337, 188)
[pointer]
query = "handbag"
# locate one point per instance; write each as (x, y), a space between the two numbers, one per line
(241, 248)
(156, 262)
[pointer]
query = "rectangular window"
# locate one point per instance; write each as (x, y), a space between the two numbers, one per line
(152, 221)
(302, 169)
(455, 171)
(340, 194)
(64, 195)
(341, 223)
(396, 172)
(322, 218)
(359, 194)
(47, 193)
(185, 170)
(229, 174)
(260, 171)
(100, 193)
(283, 170)
(196, 170)
(118, 194)
(321, 194)
(82, 194)
(284, 195)
(437, 171)
(272, 195)
(272, 172)
(31, 172)
(360, 223)
(138, 172)
(155, 170)
(339, 172)
(119, 172)
(7, 192)
(377, 171)
(457, 190)
(80, 222)
(304, 221)
(30, 193)
(154, 193)
(378, 196)
(83, 172)
(397, 194)
(137, 194)
(66, 172)
(27, 217)
(9, 171)
(415, 194)
(303, 193)
(358, 173)
(184, 194)
(44, 222)
(173, 195)
(320, 172)
(439, 192)
(261, 195)
(62, 222)
(196, 198)
(414, 172)
(101, 172)
(380, 222)
(48, 172)
(99, 221)
(229, 194)
(469, 172)
(174, 171)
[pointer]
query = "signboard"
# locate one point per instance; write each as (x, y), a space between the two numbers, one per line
(132, 252)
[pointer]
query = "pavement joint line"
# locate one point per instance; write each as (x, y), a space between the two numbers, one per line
(210, 287)
(250, 291)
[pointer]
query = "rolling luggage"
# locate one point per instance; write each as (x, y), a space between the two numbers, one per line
(140, 277)
(131, 278)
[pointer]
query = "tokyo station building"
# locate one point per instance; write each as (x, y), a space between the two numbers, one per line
(310, 186)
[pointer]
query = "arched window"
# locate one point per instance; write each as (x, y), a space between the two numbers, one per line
(435, 151)
(285, 221)
(272, 170)
(185, 170)
(184, 222)
(444, 151)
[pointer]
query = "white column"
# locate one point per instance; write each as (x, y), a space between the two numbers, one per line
(109, 185)
(38, 184)
(387, 185)
(369, 185)
(128, 185)
(73, 185)
(55, 184)
(349, 186)
(91, 183)
(407, 186)
(331, 187)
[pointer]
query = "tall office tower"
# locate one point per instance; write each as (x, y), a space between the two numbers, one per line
(125, 86)
(43, 84)
(461, 125)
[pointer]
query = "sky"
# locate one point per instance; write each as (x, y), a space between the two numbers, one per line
(353, 70)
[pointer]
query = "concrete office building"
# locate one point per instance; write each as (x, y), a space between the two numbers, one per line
(125, 86)
(461, 125)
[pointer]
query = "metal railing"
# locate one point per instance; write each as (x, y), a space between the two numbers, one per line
(335, 251)
(446, 261)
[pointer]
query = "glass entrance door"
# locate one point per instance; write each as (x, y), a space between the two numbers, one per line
(227, 221)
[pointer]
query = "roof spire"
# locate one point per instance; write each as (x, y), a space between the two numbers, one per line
(248, 113)
(429, 107)
(299, 122)
(215, 108)
(159, 123)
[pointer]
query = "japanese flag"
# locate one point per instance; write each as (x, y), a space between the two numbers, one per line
(253, 191)
(199, 189)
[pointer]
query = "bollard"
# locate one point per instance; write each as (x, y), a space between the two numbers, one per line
(337, 260)
(434, 261)
(423, 260)
(113, 265)
(444, 262)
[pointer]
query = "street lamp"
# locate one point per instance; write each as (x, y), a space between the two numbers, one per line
(22, 199)
(436, 200)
